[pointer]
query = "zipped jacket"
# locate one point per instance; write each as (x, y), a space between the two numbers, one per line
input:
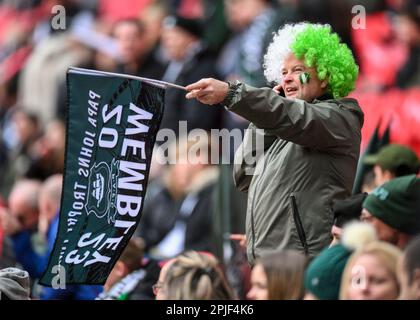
(310, 159)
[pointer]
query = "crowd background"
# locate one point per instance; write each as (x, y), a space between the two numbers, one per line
(188, 206)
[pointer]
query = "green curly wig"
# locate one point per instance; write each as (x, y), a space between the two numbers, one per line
(320, 48)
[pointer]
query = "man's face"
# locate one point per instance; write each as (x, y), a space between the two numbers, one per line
(291, 84)
(408, 290)
(384, 231)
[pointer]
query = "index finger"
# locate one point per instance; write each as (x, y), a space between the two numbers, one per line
(197, 85)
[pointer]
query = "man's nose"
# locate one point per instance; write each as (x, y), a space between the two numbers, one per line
(287, 78)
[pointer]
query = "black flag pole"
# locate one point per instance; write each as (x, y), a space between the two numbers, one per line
(159, 83)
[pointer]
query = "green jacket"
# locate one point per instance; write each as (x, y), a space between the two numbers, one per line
(309, 160)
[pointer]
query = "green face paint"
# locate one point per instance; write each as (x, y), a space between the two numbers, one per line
(304, 77)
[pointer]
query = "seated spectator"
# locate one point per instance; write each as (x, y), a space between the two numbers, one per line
(393, 161)
(20, 222)
(393, 210)
(189, 61)
(196, 276)
(135, 56)
(278, 276)
(409, 271)
(44, 239)
(19, 133)
(370, 273)
(407, 27)
(178, 215)
(132, 277)
(345, 211)
(47, 153)
(14, 284)
(159, 288)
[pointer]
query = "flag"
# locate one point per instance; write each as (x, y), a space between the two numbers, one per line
(112, 122)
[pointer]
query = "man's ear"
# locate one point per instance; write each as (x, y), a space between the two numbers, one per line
(324, 84)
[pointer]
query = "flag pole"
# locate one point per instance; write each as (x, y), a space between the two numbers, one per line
(162, 84)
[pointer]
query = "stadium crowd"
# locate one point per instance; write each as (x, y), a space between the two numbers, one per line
(190, 241)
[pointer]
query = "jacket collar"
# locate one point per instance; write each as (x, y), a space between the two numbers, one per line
(325, 96)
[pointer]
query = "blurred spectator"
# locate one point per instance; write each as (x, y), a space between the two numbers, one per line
(368, 184)
(178, 215)
(380, 54)
(393, 209)
(14, 284)
(131, 279)
(346, 210)
(49, 205)
(7, 255)
(135, 55)
(47, 153)
(20, 133)
(252, 23)
(160, 287)
(152, 17)
(20, 222)
(41, 244)
(407, 27)
(409, 271)
(45, 71)
(392, 161)
(242, 56)
(189, 61)
(196, 276)
(370, 273)
(278, 276)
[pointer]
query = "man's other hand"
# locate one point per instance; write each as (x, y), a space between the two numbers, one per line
(241, 238)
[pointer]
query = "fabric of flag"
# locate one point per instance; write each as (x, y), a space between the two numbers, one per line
(112, 123)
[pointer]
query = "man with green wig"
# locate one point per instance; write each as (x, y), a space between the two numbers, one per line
(311, 139)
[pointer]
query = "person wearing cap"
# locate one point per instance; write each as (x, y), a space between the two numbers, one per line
(323, 276)
(311, 138)
(393, 160)
(345, 211)
(189, 61)
(394, 210)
